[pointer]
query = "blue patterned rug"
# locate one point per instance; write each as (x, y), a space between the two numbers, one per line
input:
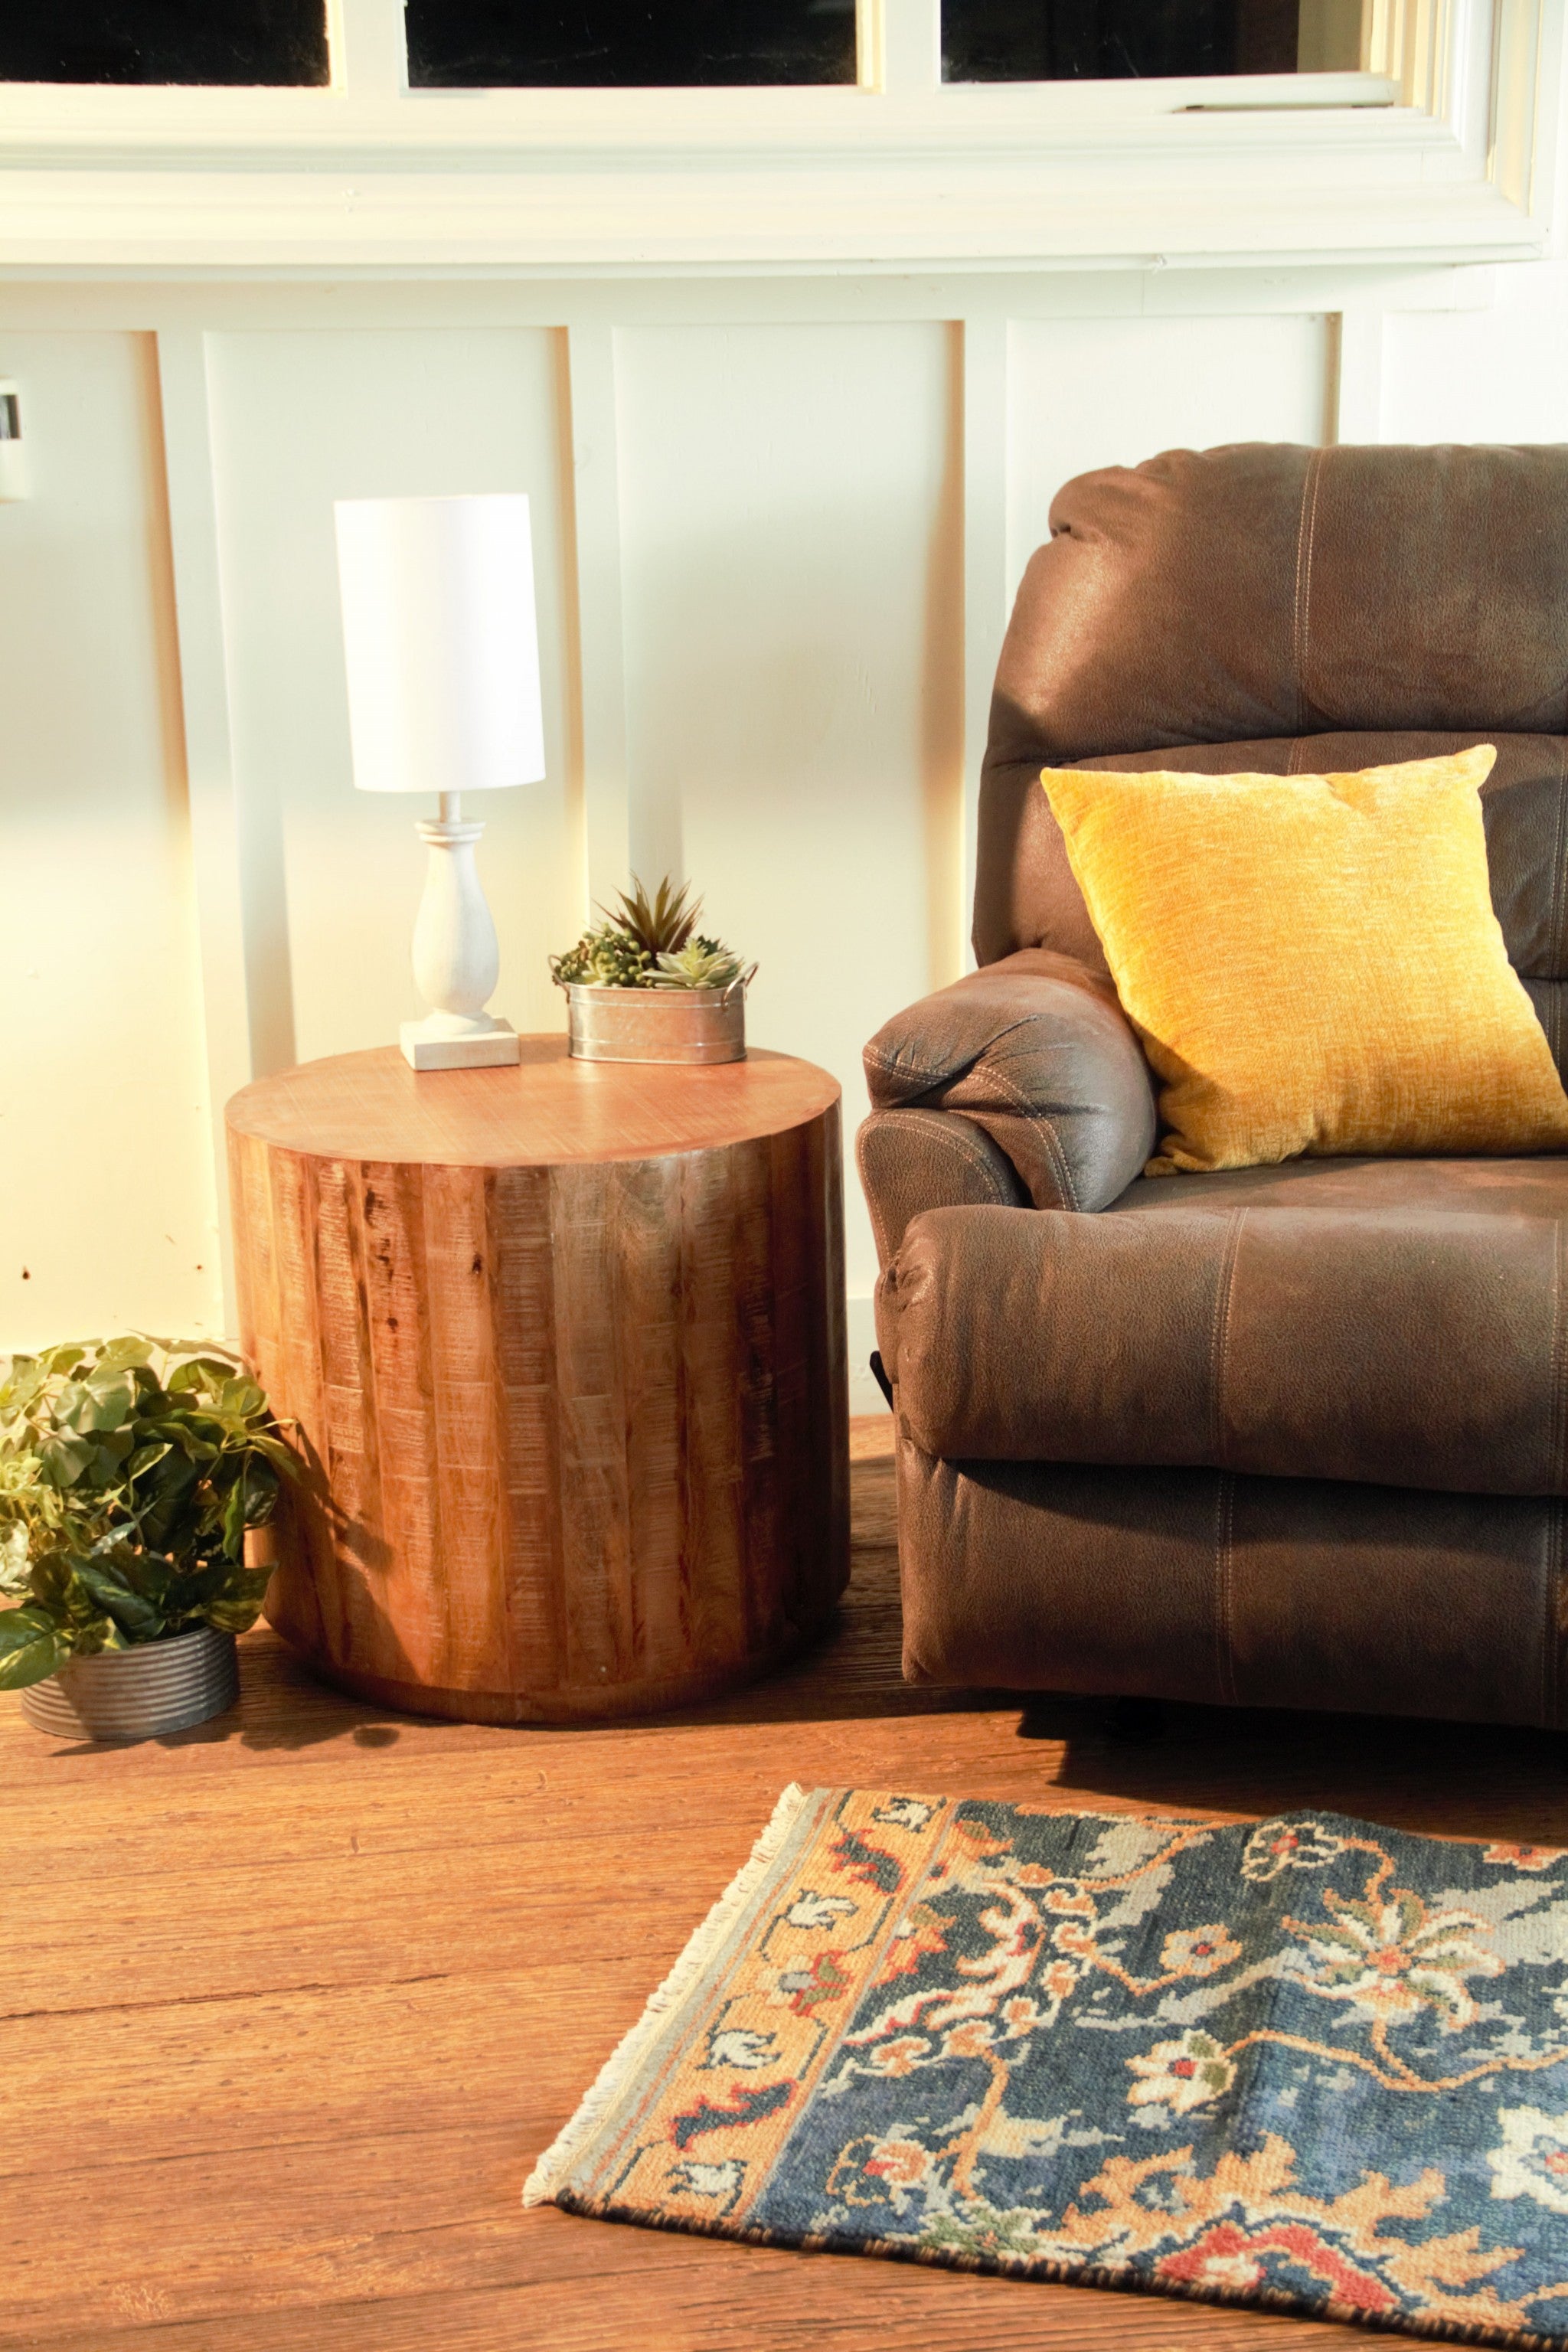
(1307, 2063)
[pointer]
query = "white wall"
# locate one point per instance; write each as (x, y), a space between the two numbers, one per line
(777, 526)
(1500, 374)
(108, 1214)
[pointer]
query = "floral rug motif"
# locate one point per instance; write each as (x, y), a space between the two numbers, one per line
(1308, 2062)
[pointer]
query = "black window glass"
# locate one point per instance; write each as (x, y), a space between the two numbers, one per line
(627, 44)
(1118, 40)
(244, 41)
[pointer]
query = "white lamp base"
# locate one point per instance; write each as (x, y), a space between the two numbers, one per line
(455, 957)
(437, 1042)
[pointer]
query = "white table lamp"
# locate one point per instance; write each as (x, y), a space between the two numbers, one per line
(442, 647)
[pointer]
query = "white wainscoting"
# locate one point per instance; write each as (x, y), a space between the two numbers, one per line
(777, 525)
(795, 639)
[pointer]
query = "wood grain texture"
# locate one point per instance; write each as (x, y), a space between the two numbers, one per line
(292, 2000)
(371, 1106)
(564, 1346)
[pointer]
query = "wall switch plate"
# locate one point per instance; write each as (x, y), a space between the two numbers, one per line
(13, 458)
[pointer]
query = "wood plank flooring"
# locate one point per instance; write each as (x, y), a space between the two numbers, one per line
(289, 2003)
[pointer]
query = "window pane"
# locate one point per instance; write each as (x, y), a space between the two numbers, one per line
(252, 41)
(1116, 40)
(627, 44)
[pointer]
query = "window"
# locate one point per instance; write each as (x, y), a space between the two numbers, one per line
(628, 44)
(255, 42)
(1115, 40)
(671, 44)
(647, 136)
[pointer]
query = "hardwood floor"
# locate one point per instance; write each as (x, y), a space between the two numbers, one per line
(290, 2002)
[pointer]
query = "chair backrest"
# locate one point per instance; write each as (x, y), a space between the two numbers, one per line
(1287, 610)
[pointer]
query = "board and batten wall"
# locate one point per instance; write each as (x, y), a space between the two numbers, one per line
(777, 525)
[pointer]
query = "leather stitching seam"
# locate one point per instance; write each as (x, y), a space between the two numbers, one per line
(1306, 527)
(1219, 1334)
(959, 1138)
(899, 1066)
(1055, 1149)
(964, 1144)
(1224, 1648)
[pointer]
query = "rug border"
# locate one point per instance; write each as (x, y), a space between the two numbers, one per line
(1030, 2270)
(554, 2168)
(662, 2018)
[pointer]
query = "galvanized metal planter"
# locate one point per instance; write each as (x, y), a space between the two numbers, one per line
(141, 1693)
(657, 1024)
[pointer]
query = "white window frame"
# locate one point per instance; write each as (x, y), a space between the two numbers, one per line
(1440, 150)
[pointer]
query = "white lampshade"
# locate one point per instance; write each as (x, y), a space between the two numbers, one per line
(441, 643)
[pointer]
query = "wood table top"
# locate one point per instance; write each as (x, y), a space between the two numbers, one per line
(544, 1110)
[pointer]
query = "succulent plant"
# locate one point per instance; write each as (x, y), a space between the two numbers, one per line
(661, 924)
(602, 957)
(700, 963)
(652, 941)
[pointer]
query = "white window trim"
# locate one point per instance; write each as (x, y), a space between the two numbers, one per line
(1441, 151)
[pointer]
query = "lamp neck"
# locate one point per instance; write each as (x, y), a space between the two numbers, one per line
(447, 831)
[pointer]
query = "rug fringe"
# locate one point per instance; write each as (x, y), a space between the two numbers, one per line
(623, 2062)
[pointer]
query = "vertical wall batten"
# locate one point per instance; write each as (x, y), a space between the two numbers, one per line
(595, 437)
(1356, 372)
(242, 922)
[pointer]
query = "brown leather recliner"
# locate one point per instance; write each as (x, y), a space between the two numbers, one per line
(1293, 1435)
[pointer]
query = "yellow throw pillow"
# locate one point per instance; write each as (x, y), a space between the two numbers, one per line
(1312, 962)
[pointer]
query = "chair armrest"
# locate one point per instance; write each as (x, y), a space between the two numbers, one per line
(912, 1161)
(1036, 1051)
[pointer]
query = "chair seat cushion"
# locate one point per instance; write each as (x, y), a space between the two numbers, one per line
(1396, 1324)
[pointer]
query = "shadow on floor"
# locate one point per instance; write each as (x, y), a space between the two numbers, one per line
(1470, 1778)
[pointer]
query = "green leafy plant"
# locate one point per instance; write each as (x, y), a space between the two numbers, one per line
(130, 1470)
(650, 942)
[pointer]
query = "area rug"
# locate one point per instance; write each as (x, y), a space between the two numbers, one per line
(1306, 2063)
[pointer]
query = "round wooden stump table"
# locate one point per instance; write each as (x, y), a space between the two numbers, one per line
(564, 1345)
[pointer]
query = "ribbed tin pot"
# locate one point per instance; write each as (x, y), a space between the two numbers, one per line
(657, 1024)
(140, 1693)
